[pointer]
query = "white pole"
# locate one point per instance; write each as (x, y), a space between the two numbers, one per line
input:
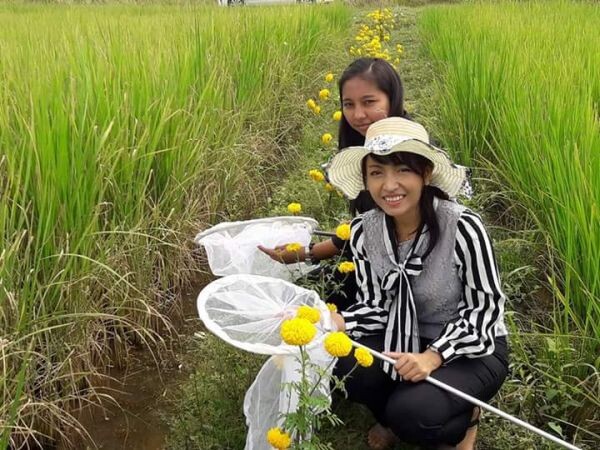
(477, 402)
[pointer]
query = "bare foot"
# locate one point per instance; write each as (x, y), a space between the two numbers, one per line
(468, 443)
(381, 438)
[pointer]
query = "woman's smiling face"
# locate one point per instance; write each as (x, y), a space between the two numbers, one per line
(395, 188)
(363, 103)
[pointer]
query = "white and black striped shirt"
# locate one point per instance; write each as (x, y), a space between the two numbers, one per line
(458, 299)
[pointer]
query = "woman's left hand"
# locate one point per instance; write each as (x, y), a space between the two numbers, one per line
(415, 366)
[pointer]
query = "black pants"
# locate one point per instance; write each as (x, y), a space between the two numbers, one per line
(421, 413)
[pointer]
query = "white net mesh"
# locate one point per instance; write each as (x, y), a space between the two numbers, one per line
(247, 311)
(231, 247)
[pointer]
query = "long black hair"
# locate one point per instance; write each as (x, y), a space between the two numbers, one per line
(385, 77)
(421, 166)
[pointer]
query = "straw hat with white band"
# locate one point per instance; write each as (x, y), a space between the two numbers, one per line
(392, 135)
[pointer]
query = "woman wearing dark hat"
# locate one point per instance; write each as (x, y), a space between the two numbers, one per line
(429, 291)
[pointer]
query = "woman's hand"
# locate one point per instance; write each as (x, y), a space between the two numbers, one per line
(280, 254)
(415, 366)
(338, 321)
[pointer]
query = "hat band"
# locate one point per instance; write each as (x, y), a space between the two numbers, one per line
(384, 143)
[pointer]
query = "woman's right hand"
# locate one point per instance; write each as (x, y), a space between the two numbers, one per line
(280, 254)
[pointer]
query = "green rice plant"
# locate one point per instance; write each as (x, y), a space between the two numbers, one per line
(519, 96)
(122, 130)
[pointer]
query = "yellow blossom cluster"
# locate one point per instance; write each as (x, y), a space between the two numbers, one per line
(343, 231)
(346, 267)
(294, 247)
(324, 95)
(316, 175)
(297, 331)
(294, 208)
(363, 357)
(312, 105)
(338, 344)
(332, 307)
(309, 313)
(279, 439)
(375, 35)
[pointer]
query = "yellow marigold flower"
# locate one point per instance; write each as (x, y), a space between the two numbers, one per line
(293, 247)
(279, 439)
(311, 103)
(326, 138)
(332, 307)
(337, 116)
(363, 357)
(309, 313)
(329, 187)
(338, 344)
(297, 331)
(317, 110)
(343, 231)
(324, 94)
(316, 175)
(294, 208)
(329, 77)
(346, 267)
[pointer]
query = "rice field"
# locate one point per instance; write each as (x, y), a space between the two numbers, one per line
(519, 97)
(122, 129)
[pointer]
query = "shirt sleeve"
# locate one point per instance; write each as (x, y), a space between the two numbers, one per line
(339, 243)
(366, 316)
(482, 304)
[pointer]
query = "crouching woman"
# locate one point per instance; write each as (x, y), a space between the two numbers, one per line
(429, 291)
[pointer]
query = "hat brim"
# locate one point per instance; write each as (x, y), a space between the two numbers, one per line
(345, 169)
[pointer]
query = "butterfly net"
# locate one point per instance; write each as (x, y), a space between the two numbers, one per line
(232, 247)
(247, 311)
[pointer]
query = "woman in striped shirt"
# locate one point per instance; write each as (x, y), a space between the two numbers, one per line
(429, 292)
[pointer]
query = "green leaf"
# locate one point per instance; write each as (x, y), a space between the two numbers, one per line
(556, 428)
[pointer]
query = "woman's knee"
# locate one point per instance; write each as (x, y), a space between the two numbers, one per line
(422, 413)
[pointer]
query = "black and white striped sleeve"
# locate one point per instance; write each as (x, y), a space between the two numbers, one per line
(367, 315)
(482, 304)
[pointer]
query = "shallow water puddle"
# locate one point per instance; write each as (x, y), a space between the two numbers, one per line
(144, 392)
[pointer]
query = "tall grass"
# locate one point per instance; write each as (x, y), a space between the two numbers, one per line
(121, 129)
(520, 95)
